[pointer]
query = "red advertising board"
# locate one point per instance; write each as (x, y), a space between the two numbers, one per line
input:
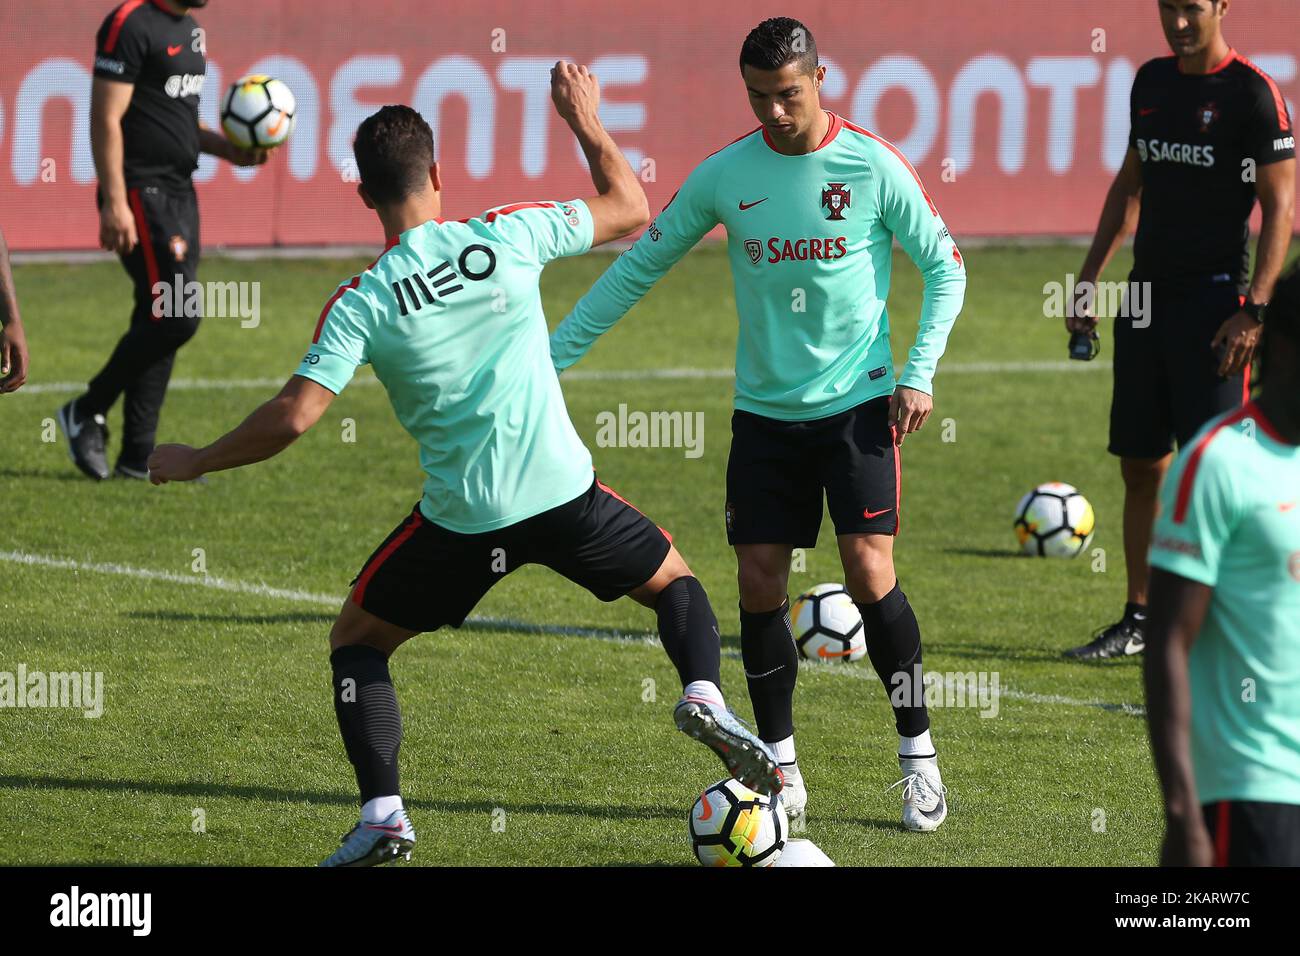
(1015, 113)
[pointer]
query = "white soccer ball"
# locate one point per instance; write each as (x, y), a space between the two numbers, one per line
(827, 625)
(732, 825)
(1054, 521)
(257, 112)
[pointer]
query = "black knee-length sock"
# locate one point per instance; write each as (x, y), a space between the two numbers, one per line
(894, 646)
(771, 669)
(369, 719)
(688, 630)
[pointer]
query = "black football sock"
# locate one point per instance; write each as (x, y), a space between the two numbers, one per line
(1135, 613)
(688, 631)
(894, 646)
(369, 719)
(771, 670)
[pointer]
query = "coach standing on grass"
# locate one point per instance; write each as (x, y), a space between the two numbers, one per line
(146, 138)
(1210, 134)
(13, 341)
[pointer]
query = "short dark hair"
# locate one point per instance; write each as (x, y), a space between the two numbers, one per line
(778, 41)
(393, 151)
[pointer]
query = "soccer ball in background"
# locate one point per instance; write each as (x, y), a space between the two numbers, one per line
(257, 112)
(732, 825)
(1054, 521)
(827, 625)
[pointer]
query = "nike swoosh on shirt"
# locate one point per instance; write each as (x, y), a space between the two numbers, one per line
(1144, 112)
(751, 205)
(1287, 505)
(173, 50)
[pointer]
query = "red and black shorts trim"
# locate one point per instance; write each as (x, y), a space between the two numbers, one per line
(778, 471)
(169, 247)
(1252, 833)
(425, 576)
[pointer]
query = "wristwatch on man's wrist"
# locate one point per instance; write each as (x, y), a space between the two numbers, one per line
(1254, 309)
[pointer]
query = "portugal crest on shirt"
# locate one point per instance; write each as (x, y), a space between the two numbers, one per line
(835, 198)
(1207, 114)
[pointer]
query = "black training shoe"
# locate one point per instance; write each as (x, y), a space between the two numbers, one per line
(87, 438)
(1124, 638)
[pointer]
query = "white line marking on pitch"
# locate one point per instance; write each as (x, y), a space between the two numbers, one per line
(588, 375)
(483, 623)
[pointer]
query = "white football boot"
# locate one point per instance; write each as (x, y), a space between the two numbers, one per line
(370, 844)
(794, 794)
(748, 759)
(924, 802)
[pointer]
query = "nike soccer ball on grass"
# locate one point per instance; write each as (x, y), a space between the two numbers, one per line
(257, 112)
(732, 825)
(827, 625)
(1054, 521)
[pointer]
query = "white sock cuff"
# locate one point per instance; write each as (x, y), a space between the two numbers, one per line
(784, 750)
(380, 809)
(918, 746)
(705, 690)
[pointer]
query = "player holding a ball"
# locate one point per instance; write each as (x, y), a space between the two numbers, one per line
(150, 61)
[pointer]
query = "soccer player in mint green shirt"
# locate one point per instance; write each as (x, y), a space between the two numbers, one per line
(450, 319)
(812, 206)
(1223, 646)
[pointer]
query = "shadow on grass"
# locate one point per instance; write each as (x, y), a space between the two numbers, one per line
(321, 798)
(984, 553)
(292, 617)
(71, 475)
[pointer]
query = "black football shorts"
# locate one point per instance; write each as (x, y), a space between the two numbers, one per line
(1251, 833)
(778, 471)
(424, 576)
(1167, 382)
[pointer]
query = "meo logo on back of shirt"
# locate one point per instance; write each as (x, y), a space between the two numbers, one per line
(441, 278)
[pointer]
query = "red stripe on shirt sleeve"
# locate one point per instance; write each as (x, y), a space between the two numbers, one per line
(119, 18)
(1188, 480)
(1283, 121)
(320, 323)
(894, 149)
(507, 210)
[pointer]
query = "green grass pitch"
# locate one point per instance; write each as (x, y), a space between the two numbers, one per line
(537, 747)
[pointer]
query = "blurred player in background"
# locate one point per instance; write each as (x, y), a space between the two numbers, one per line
(13, 341)
(1223, 662)
(811, 205)
(450, 318)
(150, 61)
(1210, 135)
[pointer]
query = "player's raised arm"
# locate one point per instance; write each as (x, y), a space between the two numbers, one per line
(689, 215)
(620, 204)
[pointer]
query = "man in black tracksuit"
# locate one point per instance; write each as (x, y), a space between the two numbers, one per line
(146, 138)
(1210, 138)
